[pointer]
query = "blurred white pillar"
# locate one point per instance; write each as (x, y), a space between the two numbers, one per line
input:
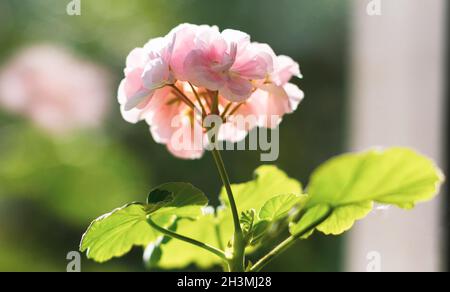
(398, 62)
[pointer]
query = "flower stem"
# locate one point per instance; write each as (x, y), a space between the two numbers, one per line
(197, 97)
(288, 243)
(236, 264)
(234, 110)
(226, 182)
(274, 253)
(225, 111)
(185, 99)
(215, 102)
(202, 245)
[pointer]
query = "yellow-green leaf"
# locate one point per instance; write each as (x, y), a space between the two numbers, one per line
(114, 234)
(350, 184)
(269, 182)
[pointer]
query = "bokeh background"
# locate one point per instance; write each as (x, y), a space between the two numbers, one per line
(54, 180)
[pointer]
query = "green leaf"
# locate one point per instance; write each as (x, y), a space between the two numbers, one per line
(269, 182)
(180, 199)
(279, 207)
(259, 230)
(247, 220)
(350, 184)
(208, 228)
(114, 234)
(310, 219)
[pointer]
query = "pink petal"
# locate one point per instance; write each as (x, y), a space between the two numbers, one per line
(295, 95)
(197, 68)
(184, 36)
(161, 128)
(131, 115)
(136, 59)
(269, 105)
(236, 89)
(256, 67)
(187, 142)
(138, 99)
(228, 60)
(285, 69)
(256, 62)
(210, 41)
(156, 74)
(242, 39)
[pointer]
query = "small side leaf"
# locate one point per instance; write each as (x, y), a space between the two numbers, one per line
(259, 230)
(280, 206)
(247, 220)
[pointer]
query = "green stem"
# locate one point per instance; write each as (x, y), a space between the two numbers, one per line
(225, 111)
(197, 97)
(288, 243)
(215, 103)
(185, 99)
(202, 245)
(226, 182)
(236, 261)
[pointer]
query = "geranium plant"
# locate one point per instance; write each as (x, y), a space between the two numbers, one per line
(198, 86)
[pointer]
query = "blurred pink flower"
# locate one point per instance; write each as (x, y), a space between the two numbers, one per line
(172, 82)
(56, 90)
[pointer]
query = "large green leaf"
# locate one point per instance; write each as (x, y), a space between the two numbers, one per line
(114, 234)
(350, 184)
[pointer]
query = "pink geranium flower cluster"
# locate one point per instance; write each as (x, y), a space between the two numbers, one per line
(174, 82)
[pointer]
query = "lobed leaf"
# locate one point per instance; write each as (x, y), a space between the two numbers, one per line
(350, 184)
(114, 234)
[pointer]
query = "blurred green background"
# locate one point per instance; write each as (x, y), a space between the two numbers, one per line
(51, 188)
